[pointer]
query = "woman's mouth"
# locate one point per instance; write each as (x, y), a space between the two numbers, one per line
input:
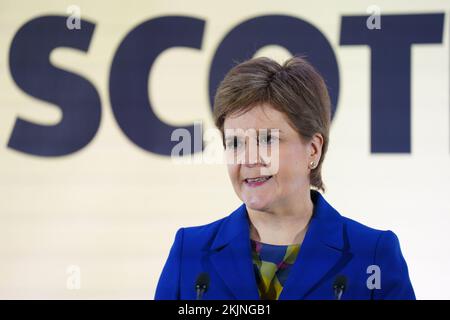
(256, 182)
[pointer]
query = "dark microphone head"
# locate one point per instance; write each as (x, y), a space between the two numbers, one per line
(202, 281)
(340, 283)
(339, 286)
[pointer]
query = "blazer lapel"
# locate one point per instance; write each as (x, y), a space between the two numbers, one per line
(231, 256)
(323, 253)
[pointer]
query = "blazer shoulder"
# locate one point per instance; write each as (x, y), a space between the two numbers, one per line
(205, 228)
(363, 236)
(201, 236)
(358, 227)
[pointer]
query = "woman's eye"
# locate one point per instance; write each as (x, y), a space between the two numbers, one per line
(233, 143)
(267, 139)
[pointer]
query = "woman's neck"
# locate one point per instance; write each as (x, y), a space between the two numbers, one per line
(283, 224)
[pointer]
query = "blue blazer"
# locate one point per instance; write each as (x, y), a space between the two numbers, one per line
(333, 245)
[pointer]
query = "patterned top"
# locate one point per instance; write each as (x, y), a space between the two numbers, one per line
(272, 264)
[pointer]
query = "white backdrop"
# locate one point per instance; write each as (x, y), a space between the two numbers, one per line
(112, 209)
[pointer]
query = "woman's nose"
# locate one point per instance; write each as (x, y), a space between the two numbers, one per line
(252, 153)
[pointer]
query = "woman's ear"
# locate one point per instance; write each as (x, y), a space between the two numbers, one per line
(315, 148)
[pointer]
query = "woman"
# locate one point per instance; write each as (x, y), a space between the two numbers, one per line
(285, 241)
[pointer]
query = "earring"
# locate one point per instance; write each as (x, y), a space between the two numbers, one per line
(312, 164)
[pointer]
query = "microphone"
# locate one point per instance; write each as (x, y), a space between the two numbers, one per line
(339, 286)
(201, 285)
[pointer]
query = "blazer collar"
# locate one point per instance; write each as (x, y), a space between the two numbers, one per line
(320, 252)
(325, 219)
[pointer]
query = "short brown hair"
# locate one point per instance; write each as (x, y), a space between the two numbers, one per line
(294, 88)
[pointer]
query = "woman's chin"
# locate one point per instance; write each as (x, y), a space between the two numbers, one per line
(256, 203)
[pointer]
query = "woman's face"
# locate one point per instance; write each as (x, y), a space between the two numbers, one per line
(283, 182)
